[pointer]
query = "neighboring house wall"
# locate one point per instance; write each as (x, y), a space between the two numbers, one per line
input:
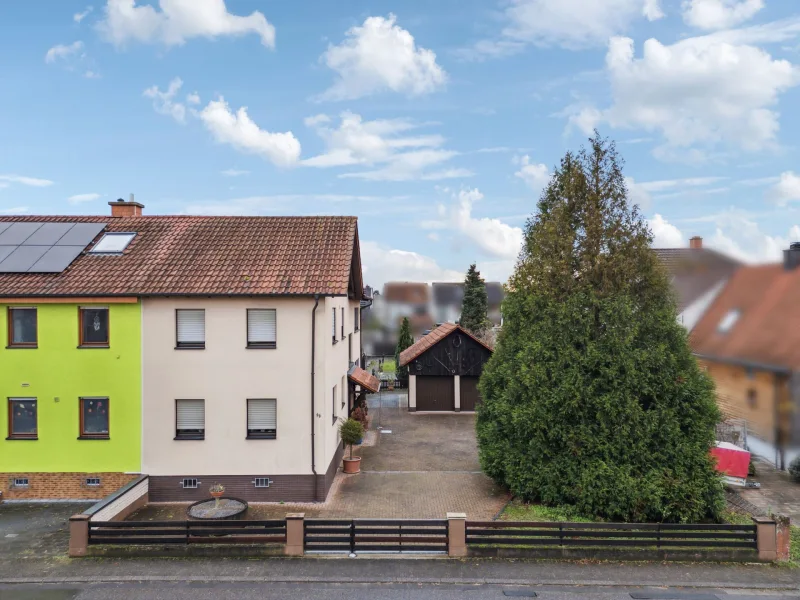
(57, 374)
(693, 313)
(759, 397)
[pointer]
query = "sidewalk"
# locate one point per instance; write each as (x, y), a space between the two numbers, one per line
(391, 570)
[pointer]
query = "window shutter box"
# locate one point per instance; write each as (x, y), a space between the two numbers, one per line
(262, 417)
(191, 328)
(191, 415)
(261, 328)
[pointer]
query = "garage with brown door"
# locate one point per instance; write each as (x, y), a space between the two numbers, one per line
(436, 393)
(443, 370)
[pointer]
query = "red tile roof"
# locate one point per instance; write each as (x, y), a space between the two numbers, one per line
(366, 380)
(406, 292)
(767, 331)
(433, 338)
(186, 255)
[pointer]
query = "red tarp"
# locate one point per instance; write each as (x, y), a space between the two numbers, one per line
(731, 460)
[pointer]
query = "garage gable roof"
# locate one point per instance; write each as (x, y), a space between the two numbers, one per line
(433, 338)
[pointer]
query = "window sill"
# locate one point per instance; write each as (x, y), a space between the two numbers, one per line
(261, 437)
(203, 347)
(189, 438)
(94, 437)
(22, 347)
(261, 347)
(23, 438)
(94, 347)
(335, 341)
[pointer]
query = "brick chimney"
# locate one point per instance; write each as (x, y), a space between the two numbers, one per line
(120, 208)
(696, 243)
(791, 257)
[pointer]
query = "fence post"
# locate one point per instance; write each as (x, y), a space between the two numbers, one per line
(456, 534)
(766, 538)
(295, 534)
(78, 535)
(782, 536)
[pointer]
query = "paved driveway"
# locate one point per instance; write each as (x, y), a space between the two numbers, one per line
(39, 530)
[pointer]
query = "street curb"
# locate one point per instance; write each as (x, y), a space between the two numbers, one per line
(396, 580)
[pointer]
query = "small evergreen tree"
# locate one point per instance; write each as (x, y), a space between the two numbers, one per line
(475, 306)
(404, 340)
(592, 397)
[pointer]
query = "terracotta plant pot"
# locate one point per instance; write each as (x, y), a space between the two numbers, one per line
(352, 465)
(216, 494)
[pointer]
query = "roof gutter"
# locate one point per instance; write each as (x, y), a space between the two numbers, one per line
(313, 405)
(743, 362)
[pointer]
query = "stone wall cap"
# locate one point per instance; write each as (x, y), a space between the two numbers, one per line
(457, 515)
(764, 520)
(295, 515)
(80, 517)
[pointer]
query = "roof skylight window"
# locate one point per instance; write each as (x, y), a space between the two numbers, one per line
(112, 243)
(729, 320)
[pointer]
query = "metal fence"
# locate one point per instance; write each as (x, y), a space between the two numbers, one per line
(375, 535)
(187, 532)
(511, 534)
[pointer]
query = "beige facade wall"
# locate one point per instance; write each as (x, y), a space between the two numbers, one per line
(225, 374)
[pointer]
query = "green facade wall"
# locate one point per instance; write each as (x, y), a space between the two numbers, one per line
(57, 374)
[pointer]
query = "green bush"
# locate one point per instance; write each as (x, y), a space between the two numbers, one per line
(592, 398)
(794, 469)
(351, 431)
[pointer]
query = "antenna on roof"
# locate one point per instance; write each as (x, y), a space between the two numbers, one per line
(131, 199)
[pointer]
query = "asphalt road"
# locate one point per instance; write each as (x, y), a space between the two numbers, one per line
(320, 591)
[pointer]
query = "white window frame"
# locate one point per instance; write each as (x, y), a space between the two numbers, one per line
(265, 342)
(196, 344)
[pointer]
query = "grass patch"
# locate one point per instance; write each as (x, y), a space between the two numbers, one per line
(389, 366)
(521, 511)
(736, 518)
(794, 547)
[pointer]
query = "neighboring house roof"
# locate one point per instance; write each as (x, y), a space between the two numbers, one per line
(452, 293)
(494, 293)
(406, 292)
(192, 255)
(695, 271)
(366, 380)
(767, 329)
(433, 338)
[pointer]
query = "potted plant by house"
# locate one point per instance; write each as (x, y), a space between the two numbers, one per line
(351, 431)
(216, 491)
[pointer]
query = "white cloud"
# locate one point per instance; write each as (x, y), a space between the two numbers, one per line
(652, 10)
(62, 51)
(672, 184)
(637, 194)
(382, 264)
(433, 236)
(178, 21)
(80, 16)
(786, 190)
(742, 238)
(239, 131)
(719, 14)
(572, 24)
(665, 235)
(234, 172)
(163, 102)
(14, 210)
(297, 204)
(386, 144)
(536, 176)
(32, 181)
(699, 91)
(89, 74)
(381, 56)
(491, 236)
(193, 98)
(80, 198)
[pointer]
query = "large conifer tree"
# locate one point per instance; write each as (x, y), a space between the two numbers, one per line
(475, 306)
(404, 340)
(592, 397)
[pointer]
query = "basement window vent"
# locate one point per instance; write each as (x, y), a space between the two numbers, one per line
(93, 481)
(190, 483)
(262, 482)
(20, 482)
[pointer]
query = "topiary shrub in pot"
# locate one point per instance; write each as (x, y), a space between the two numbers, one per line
(794, 469)
(351, 432)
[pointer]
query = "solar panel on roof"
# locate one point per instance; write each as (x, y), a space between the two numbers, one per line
(22, 259)
(81, 234)
(18, 233)
(5, 251)
(4, 226)
(48, 234)
(56, 259)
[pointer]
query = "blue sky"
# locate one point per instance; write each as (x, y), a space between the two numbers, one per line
(436, 123)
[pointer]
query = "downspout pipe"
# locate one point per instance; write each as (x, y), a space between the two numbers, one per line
(313, 405)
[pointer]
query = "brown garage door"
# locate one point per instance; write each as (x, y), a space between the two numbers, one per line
(436, 393)
(470, 398)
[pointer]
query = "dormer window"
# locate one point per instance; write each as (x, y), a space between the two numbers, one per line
(728, 321)
(112, 243)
